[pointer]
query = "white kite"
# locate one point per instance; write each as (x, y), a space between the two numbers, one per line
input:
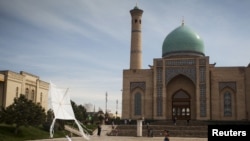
(61, 105)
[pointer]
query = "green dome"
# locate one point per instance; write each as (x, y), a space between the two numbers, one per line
(182, 41)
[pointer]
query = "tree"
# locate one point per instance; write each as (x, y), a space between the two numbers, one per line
(79, 111)
(50, 115)
(23, 112)
(101, 116)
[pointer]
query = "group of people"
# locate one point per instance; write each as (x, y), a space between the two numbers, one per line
(166, 135)
(151, 134)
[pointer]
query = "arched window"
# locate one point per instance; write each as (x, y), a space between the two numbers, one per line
(16, 92)
(188, 111)
(137, 103)
(33, 95)
(27, 93)
(227, 104)
(41, 98)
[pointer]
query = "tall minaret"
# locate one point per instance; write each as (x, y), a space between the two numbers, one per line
(136, 46)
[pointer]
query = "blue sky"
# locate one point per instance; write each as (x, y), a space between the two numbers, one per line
(84, 45)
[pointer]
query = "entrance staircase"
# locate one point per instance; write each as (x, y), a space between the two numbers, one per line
(181, 129)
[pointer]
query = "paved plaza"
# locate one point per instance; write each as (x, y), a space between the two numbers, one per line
(123, 138)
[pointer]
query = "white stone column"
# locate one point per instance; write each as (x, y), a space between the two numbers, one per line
(139, 128)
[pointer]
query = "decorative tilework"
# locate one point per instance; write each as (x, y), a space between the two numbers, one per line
(231, 85)
(159, 91)
(159, 75)
(202, 61)
(185, 62)
(159, 63)
(134, 85)
(202, 100)
(189, 72)
(159, 101)
(202, 75)
(136, 51)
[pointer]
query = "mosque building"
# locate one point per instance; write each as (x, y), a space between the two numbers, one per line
(182, 83)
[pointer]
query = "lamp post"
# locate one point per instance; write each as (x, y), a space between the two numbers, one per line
(116, 108)
(106, 103)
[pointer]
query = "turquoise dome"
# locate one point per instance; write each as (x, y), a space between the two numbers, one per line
(182, 41)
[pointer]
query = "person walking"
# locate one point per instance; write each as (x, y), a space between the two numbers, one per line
(175, 120)
(151, 132)
(166, 135)
(99, 129)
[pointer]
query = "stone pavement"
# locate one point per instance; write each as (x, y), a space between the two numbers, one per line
(107, 128)
(123, 138)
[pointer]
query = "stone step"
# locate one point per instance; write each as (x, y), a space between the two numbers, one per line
(162, 127)
(174, 132)
(159, 133)
(181, 129)
(179, 122)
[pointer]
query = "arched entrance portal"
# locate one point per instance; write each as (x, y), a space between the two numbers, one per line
(181, 105)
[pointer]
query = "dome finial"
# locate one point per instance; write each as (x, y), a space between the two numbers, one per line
(136, 5)
(182, 22)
